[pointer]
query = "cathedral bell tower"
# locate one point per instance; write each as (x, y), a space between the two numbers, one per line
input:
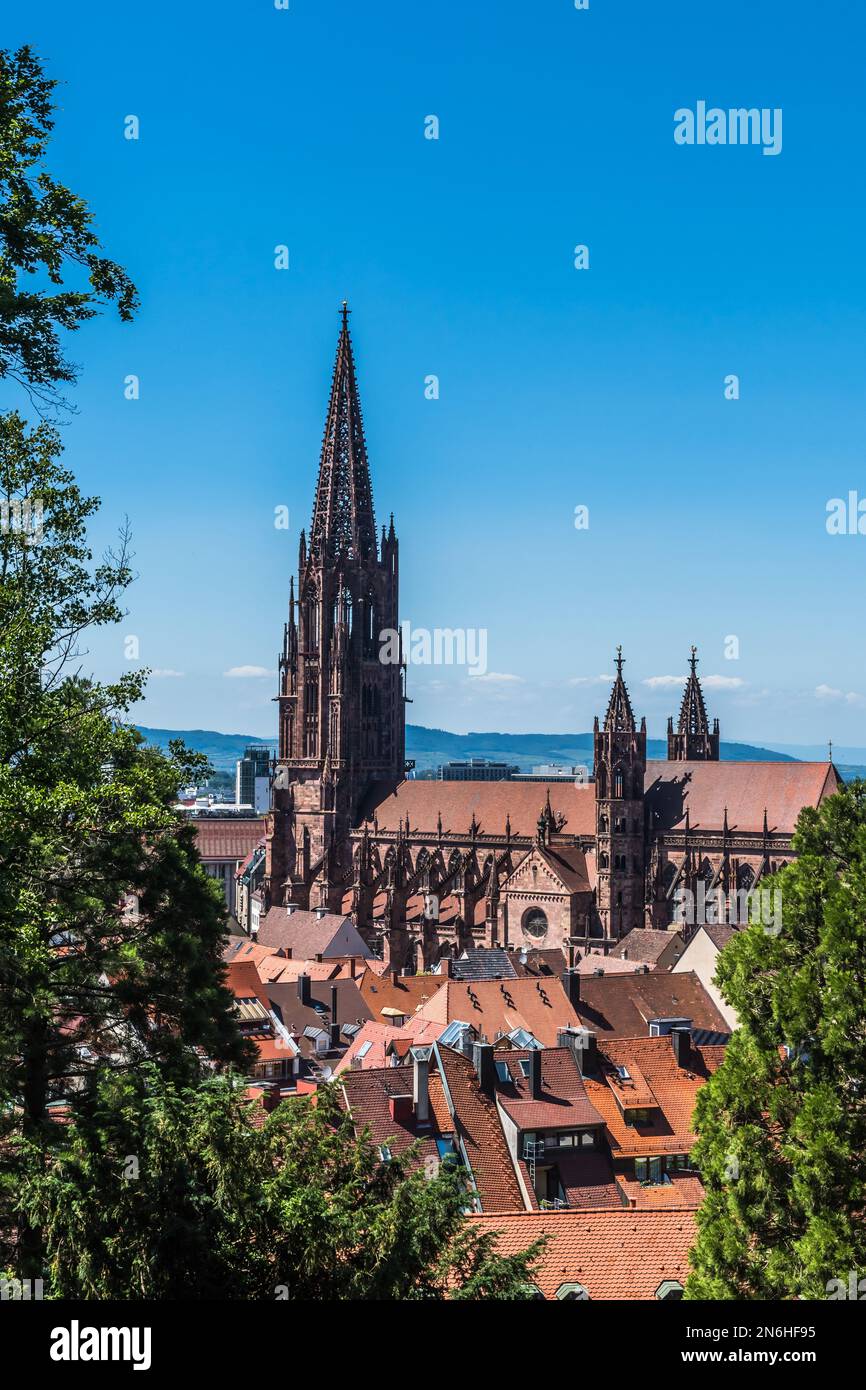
(620, 765)
(341, 707)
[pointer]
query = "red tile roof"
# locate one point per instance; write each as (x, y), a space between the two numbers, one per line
(480, 1130)
(308, 935)
(674, 1088)
(227, 839)
(406, 994)
(495, 1007)
(643, 944)
(562, 1101)
(614, 1254)
(490, 802)
(367, 1095)
(374, 1039)
(707, 788)
(623, 1005)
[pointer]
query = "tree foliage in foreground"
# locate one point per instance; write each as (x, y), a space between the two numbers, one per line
(111, 933)
(165, 1192)
(46, 238)
(782, 1123)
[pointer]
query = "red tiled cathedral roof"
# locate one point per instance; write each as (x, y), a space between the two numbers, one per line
(707, 789)
(490, 802)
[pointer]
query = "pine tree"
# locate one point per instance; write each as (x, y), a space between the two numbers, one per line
(782, 1123)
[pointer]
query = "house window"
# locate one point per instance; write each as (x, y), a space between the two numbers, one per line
(648, 1169)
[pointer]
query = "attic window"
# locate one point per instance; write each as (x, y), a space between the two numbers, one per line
(670, 1290)
(623, 1073)
(572, 1293)
(503, 1073)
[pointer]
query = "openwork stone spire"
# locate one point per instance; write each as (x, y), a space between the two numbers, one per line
(693, 740)
(343, 521)
(620, 716)
(693, 711)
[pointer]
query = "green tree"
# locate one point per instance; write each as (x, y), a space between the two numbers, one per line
(46, 236)
(165, 1192)
(782, 1123)
(111, 933)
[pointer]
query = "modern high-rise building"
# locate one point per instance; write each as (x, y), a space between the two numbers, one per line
(252, 778)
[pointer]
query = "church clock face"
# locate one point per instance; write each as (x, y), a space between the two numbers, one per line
(535, 924)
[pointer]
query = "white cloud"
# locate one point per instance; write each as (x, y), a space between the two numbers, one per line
(164, 672)
(829, 692)
(246, 671)
(708, 682)
(722, 682)
(496, 678)
(590, 680)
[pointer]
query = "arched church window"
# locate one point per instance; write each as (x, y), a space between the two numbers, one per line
(603, 860)
(617, 784)
(602, 825)
(601, 781)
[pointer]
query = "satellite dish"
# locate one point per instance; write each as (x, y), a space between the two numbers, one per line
(326, 1073)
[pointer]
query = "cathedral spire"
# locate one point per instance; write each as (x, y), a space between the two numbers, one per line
(693, 711)
(693, 738)
(343, 521)
(620, 716)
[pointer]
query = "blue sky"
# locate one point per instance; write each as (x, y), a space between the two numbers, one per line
(558, 387)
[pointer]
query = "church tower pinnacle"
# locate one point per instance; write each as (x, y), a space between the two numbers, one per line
(693, 741)
(341, 707)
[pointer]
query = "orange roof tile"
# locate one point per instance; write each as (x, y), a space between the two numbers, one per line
(224, 838)
(675, 1090)
(406, 994)
(489, 802)
(480, 1130)
(496, 1007)
(613, 1254)
(706, 789)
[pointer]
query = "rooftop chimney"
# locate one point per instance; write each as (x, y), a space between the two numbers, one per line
(482, 1060)
(290, 907)
(320, 912)
(571, 980)
(335, 1008)
(421, 1082)
(681, 1038)
(535, 1072)
(586, 1051)
(304, 988)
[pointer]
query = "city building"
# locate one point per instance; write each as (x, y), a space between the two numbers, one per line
(253, 779)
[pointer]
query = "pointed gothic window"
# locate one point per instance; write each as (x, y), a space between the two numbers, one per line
(617, 784)
(601, 782)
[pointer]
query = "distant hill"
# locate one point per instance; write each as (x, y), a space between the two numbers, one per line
(430, 747)
(221, 750)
